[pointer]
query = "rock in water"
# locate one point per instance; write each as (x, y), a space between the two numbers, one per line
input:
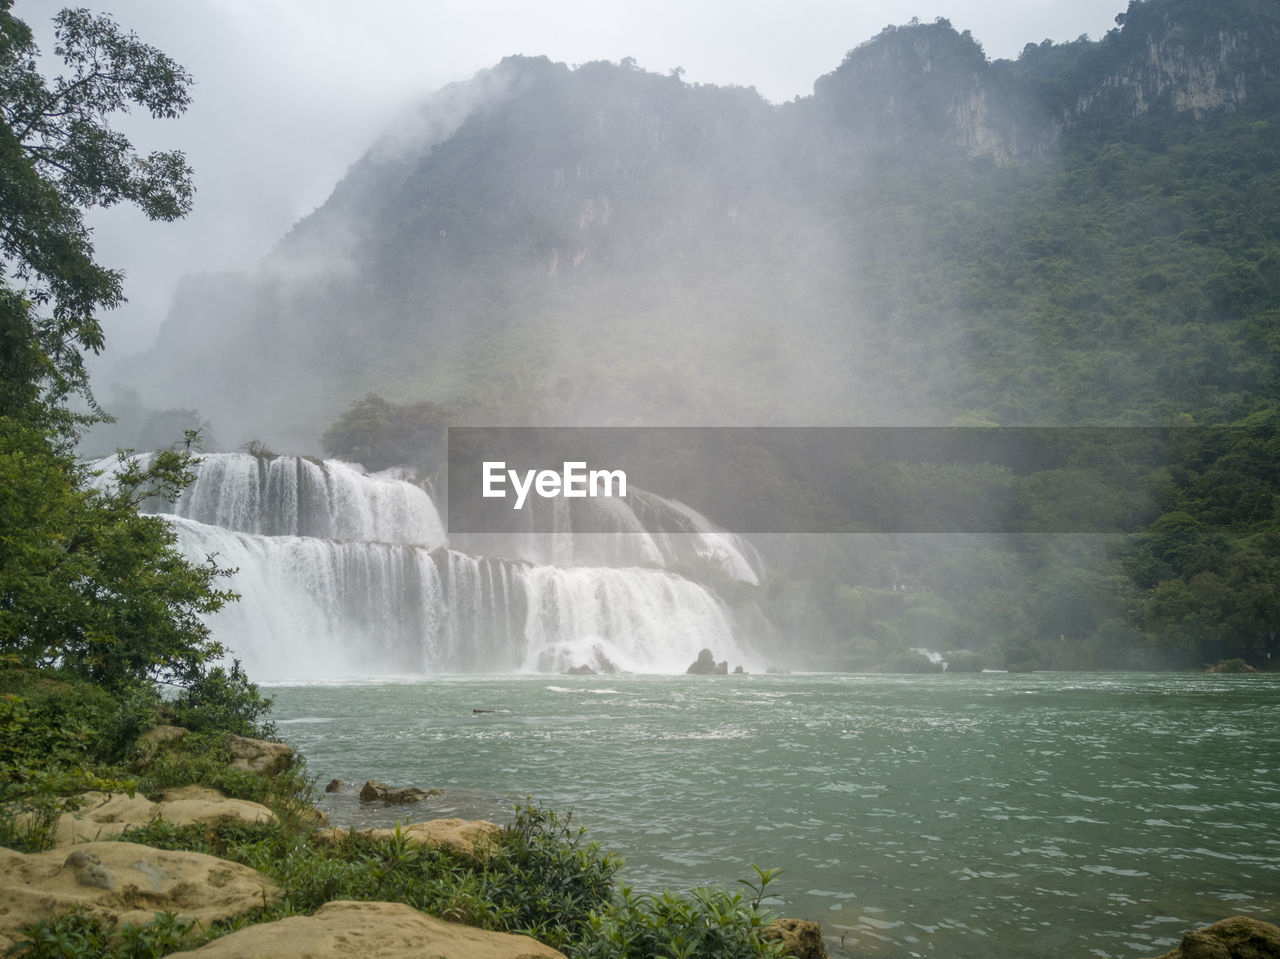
(706, 665)
(375, 791)
(389, 930)
(1236, 938)
(801, 938)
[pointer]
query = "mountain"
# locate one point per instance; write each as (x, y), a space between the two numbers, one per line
(1086, 235)
(931, 237)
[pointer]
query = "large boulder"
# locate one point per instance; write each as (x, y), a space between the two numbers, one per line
(464, 834)
(101, 816)
(188, 804)
(93, 816)
(801, 938)
(261, 756)
(388, 930)
(125, 882)
(258, 755)
(1236, 938)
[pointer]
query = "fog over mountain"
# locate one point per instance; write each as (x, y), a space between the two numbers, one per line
(1081, 236)
(601, 244)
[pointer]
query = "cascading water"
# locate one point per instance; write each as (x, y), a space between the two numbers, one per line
(344, 574)
(647, 530)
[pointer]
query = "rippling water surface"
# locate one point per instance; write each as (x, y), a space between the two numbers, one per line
(992, 815)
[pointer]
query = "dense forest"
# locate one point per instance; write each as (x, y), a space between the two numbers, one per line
(1086, 236)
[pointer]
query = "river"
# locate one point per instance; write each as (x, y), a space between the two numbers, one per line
(941, 815)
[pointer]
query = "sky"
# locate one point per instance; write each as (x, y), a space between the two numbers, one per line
(290, 93)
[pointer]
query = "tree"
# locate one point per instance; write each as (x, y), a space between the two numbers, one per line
(88, 585)
(378, 434)
(59, 156)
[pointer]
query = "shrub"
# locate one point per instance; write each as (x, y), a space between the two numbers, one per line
(79, 934)
(224, 700)
(701, 923)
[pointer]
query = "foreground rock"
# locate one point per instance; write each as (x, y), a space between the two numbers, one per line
(375, 791)
(463, 834)
(125, 882)
(388, 930)
(1236, 938)
(102, 816)
(800, 938)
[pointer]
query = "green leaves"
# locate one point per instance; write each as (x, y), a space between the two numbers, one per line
(60, 156)
(701, 922)
(89, 584)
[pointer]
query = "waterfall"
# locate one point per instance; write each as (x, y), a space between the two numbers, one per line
(293, 495)
(647, 531)
(344, 574)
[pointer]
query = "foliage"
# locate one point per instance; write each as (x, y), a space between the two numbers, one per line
(60, 156)
(539, 876)
(702, 922)
(60, 735)
(78, 933)
(223, 699)
(1205, 574)
(546, 877)
(89, 588)
(379, 434)
(86, 582)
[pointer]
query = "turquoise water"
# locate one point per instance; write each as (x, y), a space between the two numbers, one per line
(985, 816)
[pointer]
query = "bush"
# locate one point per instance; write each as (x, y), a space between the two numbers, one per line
(540, 876)
(224, 700)
(701, 923)
(62, 735)
(79, 934)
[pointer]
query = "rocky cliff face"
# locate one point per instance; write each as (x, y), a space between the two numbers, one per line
(928, 82)
(927, 85)
(1171, 68)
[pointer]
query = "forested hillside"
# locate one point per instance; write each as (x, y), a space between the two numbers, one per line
(1089, 234)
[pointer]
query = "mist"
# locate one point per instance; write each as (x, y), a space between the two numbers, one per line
(895, 241)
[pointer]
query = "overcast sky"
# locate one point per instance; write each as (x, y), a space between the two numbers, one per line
(289, 93)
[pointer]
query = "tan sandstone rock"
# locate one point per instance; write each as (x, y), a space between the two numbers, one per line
(259, 755)
(388, 930)
(1236, 938)
(102, 816)
(464, 834)
(125, 882)
(189, 804)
